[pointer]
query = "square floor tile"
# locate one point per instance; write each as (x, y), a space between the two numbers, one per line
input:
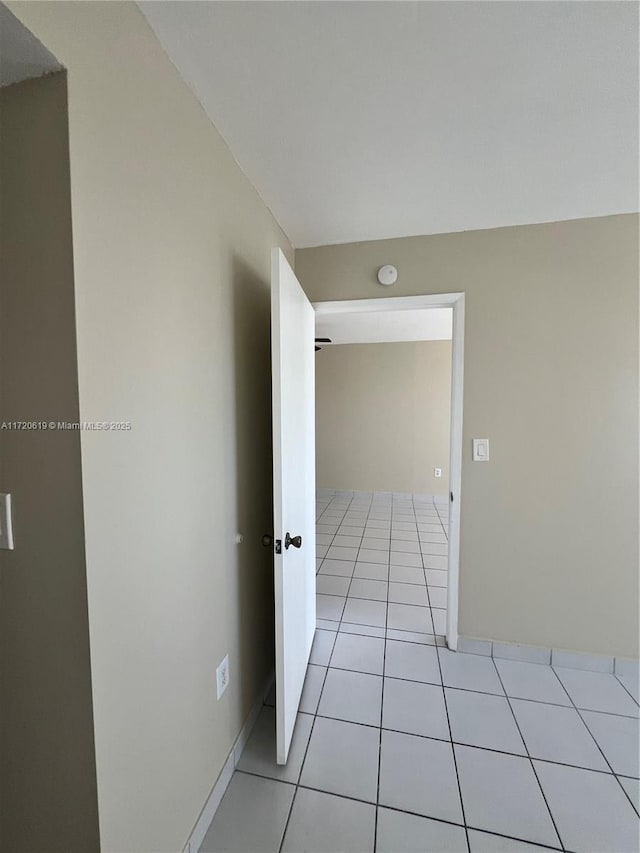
(486, 842)
(363, 654)
(407, 617)
(436, 561)
(321, 551)
(406, 574)
(373, 571)
(324, 538)
(366, 588)
(418, 774)
(531, 681)
(348, 541)
(329, 607)
(501, 794)
(470, 672)
(377, 544)
(415, 708)
(408, 593)
(438, 597)
(378, 523)
(332, 585)
(406, 833)
(408, 535)
(405, 546)
(352, 696)
(322, 647)
(259, 754)
(412, 661)
(557, 734)
(364, 612)
(438, 548)
(343, 568)
(339, 552)
(400, 558)
(425, 527)
(432, 537)
(326, 528)
(591, 811)
(617, 737)
(435, 577)
(351, 530)
(312, 688)
(597, 691)
(404, 525)
(251, 816)
(439, 618)
(324, 823)
(373, 555)
(480, 719)
(342, 759)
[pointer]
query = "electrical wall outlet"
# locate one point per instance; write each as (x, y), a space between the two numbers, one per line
(437, 472)
(222, 676)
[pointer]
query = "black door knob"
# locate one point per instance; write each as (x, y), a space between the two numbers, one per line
(267, 540)
(296, 541)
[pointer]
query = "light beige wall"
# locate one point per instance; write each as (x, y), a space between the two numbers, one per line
(47, 760)
(382, 416)
(171, 251)
(549, 547)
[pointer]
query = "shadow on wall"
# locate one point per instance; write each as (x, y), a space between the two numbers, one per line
(254, 476)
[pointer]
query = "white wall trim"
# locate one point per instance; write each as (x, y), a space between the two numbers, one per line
(217, 792)
(546, 655)
(416, 303)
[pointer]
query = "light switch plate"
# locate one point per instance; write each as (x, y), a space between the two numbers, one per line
(222, 676)
(437, 472)
(480, 449)
(6, 523)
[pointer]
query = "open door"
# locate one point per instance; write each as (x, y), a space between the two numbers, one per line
(293, 389)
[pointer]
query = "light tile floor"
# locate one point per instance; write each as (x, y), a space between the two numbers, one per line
(402, 746)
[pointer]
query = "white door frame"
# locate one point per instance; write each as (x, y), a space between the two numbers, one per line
(455, 301)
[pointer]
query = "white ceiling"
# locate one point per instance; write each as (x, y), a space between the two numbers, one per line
(22, 56)
(392, 325)
(367, 120)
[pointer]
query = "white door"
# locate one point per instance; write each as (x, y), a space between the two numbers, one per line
(293, 389)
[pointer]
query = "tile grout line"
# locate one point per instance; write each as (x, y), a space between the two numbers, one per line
(453, 752)
(544, 796)
(384, 662)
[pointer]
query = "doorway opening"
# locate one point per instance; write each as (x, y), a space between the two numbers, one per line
(389, 375)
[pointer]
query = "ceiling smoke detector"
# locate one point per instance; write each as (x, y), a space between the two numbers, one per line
(387, 275)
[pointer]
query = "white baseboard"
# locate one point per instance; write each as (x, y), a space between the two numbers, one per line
(542, 654)
(217, 792)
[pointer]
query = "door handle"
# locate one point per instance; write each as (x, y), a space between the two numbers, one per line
(267, 540)
(296, 541)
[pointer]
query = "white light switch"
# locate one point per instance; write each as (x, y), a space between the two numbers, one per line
(480, 449)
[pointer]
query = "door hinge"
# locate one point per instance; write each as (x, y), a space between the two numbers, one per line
(278, 546)
(451, 496)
